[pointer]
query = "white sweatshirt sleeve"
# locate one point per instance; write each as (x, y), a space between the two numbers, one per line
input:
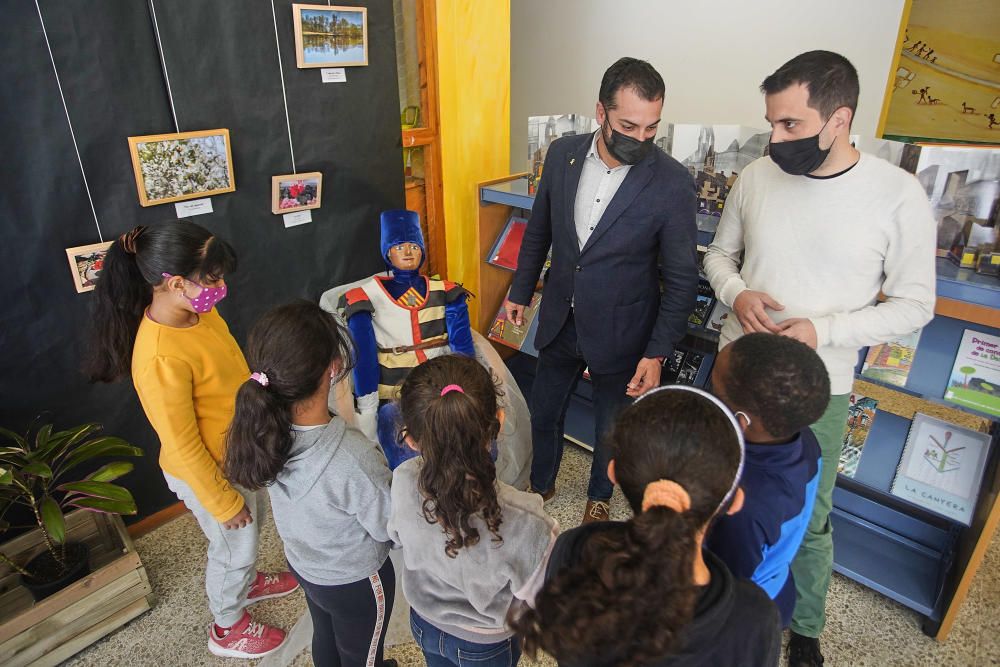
(909, 285)
(722, 259)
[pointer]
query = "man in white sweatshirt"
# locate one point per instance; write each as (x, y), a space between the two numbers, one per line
(823, 230)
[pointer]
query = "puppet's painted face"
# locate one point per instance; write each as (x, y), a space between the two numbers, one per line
(405, 256)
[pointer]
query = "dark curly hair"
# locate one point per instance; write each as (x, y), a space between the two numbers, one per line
(779, 380)
(293, 345)
(630, 595)
(453, 433)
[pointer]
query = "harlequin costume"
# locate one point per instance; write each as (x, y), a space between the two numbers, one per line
(398, 322)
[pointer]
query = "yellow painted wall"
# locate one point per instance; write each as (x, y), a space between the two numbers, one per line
(474, 105)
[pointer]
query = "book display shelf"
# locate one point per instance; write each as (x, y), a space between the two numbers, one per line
(917, 557)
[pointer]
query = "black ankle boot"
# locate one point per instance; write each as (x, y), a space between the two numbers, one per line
(804, 652)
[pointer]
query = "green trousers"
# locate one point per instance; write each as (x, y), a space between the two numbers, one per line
(813, 565)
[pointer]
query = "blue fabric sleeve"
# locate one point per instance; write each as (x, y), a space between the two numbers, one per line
(366, 353)
(456, 315)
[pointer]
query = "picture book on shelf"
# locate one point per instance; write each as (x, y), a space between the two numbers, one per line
(681, 367)
(720, 312)
(891, 362)
(690, 368)
(975, 376)
(508, 244)
(703, 304)
(507, 333)
(942, 467)
(672, 366)
(860, 415)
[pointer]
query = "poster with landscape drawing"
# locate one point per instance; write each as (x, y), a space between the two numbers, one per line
(714, 155)
(543, 130)
(963, 186)
(945, 81)
(184, 165)
(330, 36)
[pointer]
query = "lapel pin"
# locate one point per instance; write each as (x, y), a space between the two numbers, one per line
(572, 160)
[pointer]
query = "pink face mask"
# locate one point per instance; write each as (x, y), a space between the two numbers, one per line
(206, 299)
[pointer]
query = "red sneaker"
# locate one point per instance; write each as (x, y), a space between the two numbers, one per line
(246, 639)
(269, 585)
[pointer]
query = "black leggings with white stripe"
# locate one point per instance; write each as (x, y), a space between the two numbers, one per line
(349, 621)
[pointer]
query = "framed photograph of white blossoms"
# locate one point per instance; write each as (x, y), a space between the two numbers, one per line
(183, 165)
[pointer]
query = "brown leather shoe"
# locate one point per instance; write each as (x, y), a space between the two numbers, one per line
(547, 496)
(597, 510)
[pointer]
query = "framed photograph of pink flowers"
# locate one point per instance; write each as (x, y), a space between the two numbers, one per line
(296, 192)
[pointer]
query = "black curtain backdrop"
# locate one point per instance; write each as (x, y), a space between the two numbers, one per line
(221, 61)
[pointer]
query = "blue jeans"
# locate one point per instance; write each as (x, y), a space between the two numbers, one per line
(560, 365)
(443, 650)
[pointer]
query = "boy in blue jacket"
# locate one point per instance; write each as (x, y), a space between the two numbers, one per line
(777, 386)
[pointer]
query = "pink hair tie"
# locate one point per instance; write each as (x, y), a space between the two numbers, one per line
(452, 387)
(261, 378)
(666, 493)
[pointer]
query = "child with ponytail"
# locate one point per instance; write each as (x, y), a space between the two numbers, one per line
(473, 547)
(644, 592)
(155, 318)
(329, 485)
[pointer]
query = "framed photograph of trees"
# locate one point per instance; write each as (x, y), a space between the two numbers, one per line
(330, 36)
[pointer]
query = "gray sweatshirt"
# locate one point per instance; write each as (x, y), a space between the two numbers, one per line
(468, 596)
(331, 503)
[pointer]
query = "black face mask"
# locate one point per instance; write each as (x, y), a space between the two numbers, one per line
(800, 156)
(624, 148)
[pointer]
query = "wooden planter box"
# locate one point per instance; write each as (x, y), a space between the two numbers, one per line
(116, 591)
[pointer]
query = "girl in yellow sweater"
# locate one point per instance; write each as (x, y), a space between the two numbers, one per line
(155, 318)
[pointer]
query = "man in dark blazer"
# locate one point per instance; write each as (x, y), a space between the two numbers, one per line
(619, 216)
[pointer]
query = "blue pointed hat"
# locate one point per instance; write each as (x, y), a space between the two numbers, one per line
(401, 226)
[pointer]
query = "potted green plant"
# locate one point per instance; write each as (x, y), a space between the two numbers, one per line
(36, 473)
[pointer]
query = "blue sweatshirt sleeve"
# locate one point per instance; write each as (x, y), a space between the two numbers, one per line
(456, 315)
(366, 351)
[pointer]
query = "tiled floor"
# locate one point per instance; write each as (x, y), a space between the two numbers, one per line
(864, 628)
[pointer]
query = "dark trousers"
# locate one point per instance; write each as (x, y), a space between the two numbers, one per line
(560, 365)
(350, 621)
(443, 650)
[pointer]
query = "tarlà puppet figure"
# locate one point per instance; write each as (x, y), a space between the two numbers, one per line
(399, 321)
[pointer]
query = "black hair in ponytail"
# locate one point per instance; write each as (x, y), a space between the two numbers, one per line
(630, 595)
(134, 264)
(453, 431)
(293, 345)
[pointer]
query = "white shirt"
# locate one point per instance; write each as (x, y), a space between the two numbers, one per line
(824, 248)
(598, 185)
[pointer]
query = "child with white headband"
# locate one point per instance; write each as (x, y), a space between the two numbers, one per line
(644, 592)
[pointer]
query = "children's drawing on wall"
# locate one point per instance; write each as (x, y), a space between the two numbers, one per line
(947, 82)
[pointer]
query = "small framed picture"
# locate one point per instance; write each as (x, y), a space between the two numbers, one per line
(86, 263)
(296, 192)
(185, 165)
(330, 36)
